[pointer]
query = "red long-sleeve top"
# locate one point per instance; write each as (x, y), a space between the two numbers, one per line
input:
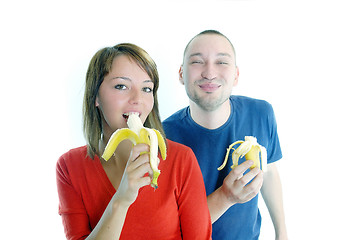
(177, 209)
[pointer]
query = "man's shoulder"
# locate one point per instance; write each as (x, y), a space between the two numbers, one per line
(178, 125)
(177, 116)
(249, 102)
(245, 99)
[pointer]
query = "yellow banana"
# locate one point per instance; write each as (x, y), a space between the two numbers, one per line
(137, 133)
(250, 149)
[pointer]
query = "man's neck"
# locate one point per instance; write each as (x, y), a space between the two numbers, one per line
(210, 119)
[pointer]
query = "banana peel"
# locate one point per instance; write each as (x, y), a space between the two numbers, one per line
(251, 150)
(137, 133)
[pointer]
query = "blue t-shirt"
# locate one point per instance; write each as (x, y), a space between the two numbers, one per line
(249, 117)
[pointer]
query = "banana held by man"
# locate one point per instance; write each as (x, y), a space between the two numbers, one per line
(137, 133)
(250, 149)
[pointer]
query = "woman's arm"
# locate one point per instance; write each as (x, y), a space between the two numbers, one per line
(111, 223)
(192, 202)
(74, 215)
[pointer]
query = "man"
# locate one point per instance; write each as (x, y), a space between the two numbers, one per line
(214, 120)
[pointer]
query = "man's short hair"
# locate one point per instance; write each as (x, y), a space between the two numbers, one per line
(210, 31)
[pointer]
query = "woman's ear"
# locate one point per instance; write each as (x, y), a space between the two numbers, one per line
(96, 102)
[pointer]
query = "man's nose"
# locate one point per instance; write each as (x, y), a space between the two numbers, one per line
(209, 72)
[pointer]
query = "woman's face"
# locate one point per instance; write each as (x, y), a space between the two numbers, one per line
(126, 88)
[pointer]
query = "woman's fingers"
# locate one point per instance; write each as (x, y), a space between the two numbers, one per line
(139, 165)
(139, 157)
(135, 175)
(137, 150)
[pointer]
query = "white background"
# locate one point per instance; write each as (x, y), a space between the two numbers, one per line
(301, 56)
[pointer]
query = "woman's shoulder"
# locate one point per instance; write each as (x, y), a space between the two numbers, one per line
(76, 164)
(178, 148)
(75, 152)
(180, 154)
(74, 157)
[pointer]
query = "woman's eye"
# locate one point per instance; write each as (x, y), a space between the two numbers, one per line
(120, 87)
(147, 89)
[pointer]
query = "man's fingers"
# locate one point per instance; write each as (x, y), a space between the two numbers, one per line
(248, 177)
(255, 185)
(249, 185)
(238, 171)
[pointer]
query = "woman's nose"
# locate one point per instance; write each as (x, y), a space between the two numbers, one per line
(135, 97)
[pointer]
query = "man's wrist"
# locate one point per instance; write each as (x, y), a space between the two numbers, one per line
(218, 204)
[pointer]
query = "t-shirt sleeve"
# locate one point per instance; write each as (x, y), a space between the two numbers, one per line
(71, 207)
(192, 203)
(273, 149)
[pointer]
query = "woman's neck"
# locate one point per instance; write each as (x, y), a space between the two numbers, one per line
(121, 154)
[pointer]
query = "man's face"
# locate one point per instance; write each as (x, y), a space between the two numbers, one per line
(209, 71)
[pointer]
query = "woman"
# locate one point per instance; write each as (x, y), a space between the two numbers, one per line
(114, 199)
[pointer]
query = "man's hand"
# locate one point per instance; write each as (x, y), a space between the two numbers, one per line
(235, 189)
(235, 186)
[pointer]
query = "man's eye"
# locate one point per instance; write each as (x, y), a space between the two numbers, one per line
(120, 87)
(147, 89)
(196, 62)
(222, 63)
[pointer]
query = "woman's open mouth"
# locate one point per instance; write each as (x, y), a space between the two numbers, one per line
(126, 115)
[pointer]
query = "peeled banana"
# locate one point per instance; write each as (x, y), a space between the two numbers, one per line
(137, 133)
(250, 149)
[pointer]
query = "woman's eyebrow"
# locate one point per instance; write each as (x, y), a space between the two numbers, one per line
(123, 78)
(129, 79)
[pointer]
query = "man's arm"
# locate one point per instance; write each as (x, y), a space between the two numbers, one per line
(235, 189)
(272, 195)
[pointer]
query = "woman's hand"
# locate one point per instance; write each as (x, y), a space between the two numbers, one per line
(134, 177)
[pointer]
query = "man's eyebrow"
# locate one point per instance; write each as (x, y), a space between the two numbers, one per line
(195, 54)
(224, 55)
(218, 55)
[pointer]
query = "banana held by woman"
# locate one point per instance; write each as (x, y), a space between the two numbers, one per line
(137, 133)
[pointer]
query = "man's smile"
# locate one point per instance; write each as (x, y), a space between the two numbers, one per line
(209, 87)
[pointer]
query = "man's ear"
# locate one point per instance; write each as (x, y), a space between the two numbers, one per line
(180, 75)
(236, 77)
